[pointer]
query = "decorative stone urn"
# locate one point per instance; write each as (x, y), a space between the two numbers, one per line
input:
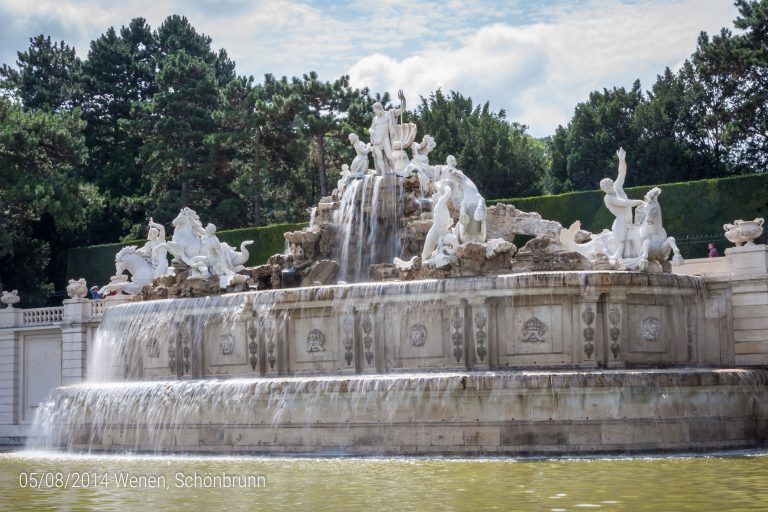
(77, 289)
(744, 231)
(10, 298)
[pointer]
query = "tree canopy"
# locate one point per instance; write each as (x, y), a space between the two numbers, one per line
(154, 119)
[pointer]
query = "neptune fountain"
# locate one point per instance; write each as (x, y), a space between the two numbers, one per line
(419, 328)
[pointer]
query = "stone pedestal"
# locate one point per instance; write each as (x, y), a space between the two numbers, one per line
(749, 298)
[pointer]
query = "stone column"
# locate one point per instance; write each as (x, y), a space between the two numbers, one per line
(74, 333)
(9, 364)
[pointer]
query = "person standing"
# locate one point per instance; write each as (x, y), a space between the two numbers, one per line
(713, 253)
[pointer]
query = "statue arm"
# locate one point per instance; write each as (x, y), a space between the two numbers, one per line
(623, 201)
(160, 228)
(618, 185)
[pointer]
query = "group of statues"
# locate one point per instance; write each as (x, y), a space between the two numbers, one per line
(635, 241)
(192, 246)
(637, 238)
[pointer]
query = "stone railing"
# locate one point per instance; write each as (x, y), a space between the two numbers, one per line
(40, 316)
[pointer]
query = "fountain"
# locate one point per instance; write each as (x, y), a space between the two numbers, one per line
(420, 328)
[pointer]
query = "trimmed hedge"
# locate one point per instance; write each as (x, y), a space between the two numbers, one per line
(96, 263)
(694, 212)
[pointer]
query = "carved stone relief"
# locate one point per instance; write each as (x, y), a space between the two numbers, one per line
(153, 348)
(650, 329)
(418, 335)
(227, 344)
(315, 341)
(367, 326)
(480, 335)
(614, 317)
(533, 331)
(588, 316)
(457, 322)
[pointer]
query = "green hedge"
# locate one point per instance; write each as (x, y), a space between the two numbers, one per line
(694, 212)
(97, 263)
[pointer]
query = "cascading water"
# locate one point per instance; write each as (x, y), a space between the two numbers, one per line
(398, 368)
(368, 224)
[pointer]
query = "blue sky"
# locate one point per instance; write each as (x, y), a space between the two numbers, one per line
(534, 59)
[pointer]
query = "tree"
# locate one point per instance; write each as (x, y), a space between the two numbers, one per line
(39, 196)
(497, 155)
(174, 126)
(177, 34)
(324, 104)
(48, 76)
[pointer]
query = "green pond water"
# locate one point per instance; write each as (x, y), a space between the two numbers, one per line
(46, 481)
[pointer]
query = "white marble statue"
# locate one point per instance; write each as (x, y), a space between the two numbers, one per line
(620, 206)
(136, 262)
(188, 233)
(471, 205)
(633, 245)
(420, 164)
(156, 250)
(436, 246)
(654, 242)
(341, 185)
(360, 163)
(383, 133)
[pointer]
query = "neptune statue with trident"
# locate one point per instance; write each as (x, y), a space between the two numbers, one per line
(383, 133)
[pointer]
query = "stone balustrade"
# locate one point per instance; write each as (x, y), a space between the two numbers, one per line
(42, 316)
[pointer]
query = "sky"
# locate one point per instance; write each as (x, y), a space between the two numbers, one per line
(536, 59)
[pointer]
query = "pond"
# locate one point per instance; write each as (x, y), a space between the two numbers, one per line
(733, 481)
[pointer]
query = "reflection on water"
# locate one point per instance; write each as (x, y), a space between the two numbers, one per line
(71, 482)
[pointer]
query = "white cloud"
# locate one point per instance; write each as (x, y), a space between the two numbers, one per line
(538, 72)
(535, 60)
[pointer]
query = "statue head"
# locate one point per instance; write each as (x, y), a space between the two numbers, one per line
(353, 138)
(210, 229)
(378, 108)
(451, 161)
(606, 185)
(153, 234)
(652, 195)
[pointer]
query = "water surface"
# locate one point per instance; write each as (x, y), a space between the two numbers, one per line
(732, 482)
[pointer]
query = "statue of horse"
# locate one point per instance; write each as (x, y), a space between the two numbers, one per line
(655, 245)
(138, 264)
(472, 211)
(188, 234)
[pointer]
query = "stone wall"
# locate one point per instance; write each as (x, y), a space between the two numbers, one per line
(40, 349)
(736, 306)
